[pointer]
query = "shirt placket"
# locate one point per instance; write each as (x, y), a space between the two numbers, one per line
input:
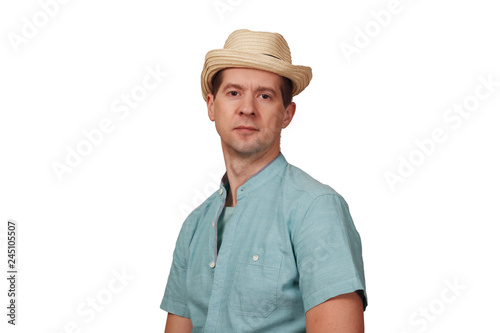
(217, 292)
(219, 288)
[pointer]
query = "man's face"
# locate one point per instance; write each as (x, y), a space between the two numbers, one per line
(248, 111)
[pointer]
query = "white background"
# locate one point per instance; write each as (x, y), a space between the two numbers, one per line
(121, 208)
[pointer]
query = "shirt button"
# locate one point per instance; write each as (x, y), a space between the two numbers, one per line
(255, 257)
(221, 191)
(212, 264)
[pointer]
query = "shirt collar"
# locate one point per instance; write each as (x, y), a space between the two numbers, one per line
(260, 177)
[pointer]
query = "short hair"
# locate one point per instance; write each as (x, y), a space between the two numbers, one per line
(286, 87)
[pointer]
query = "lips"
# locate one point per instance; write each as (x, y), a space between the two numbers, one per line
(246, 128)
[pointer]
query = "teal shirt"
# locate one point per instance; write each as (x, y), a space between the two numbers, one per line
(290, 245)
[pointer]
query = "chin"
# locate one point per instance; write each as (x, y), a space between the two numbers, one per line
(247, 150)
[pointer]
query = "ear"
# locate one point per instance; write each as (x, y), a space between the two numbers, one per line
(289, 113)
(210, 106)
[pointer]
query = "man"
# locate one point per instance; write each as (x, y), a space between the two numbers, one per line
(273, 250)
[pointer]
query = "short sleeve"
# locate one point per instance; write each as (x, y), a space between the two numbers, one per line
(328, 252)
(175, 297)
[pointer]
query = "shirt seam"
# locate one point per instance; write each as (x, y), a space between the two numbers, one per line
(175, 302)
(331, 288)
(313, 199)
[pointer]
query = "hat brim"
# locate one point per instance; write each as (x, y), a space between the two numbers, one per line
(220, 59)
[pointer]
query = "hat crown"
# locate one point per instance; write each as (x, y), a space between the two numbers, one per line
(267, 51)
(259, 42)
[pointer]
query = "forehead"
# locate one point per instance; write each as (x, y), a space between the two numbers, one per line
(249, 76)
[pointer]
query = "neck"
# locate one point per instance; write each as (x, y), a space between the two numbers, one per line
(240, 168)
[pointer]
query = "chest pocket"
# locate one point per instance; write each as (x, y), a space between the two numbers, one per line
(255, 286)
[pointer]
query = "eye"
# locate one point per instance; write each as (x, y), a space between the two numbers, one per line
(233, 93)
(265, 96)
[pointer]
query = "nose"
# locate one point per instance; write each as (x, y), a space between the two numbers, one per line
(247, 106)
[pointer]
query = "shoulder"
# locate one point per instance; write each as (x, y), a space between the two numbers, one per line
(298, 181)
(194, 218)
(310, 202)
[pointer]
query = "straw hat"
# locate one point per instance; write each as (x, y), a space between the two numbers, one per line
(255, 49)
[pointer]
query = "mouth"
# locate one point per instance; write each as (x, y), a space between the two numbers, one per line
(245, 129)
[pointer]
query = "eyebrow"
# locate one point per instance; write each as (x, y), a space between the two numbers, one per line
(240, 87)
(232, 85)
